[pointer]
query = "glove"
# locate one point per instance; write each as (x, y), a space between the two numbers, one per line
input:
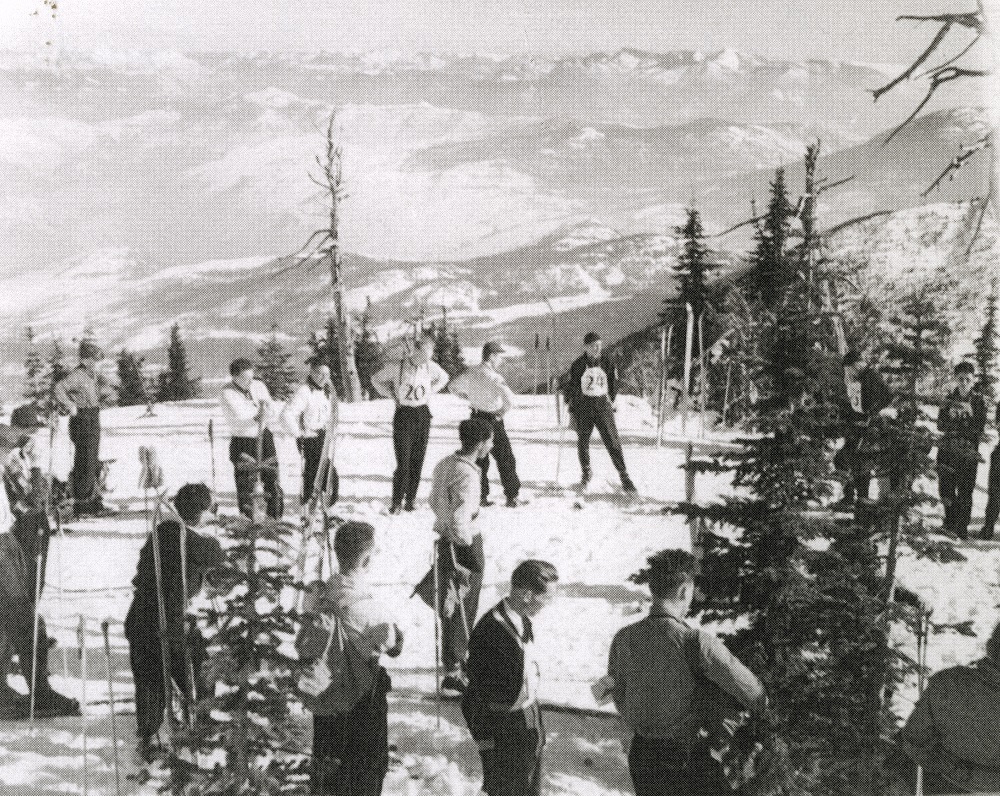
(300, 443)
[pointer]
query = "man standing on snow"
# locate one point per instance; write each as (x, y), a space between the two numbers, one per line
(490, 399)
(961, 421)
(590, 396)
(655, 668)
(79, 395)
(500, 705)
(307, 417)
(410, 384)
(865, 397)
(247, 405)
(993, 501)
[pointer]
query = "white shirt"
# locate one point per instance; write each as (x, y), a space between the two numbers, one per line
(6, 515)
(532, 672)
(240, 408)
(484, 388)
(308, 411)
(413, 384)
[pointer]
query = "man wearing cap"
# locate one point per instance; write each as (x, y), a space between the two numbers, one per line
(410, 384)
(79, 395)
(247, 405)
(590, 396)
(490, 399)
(307, 417)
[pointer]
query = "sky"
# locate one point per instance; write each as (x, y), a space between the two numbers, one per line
(842, 29)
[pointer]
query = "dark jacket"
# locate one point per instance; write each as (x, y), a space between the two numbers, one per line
(575, 398)
(203, 554)
(495, 668)
(962, 429)
(875, 396)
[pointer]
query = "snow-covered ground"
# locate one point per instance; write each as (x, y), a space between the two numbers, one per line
(595, 549)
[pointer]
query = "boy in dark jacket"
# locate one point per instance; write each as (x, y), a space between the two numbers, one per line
(194, 506)
(961, 421)
(500, 704)
(590, 396)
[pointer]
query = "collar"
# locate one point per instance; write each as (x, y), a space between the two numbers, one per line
(248, 392)
(315, 386)
(659, 613)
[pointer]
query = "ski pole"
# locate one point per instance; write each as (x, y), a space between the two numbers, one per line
(34, 632)
(111, 702)
(60, 536)
(559, 447)
(81, 652)
(437, 632)
(191, 692)
(211, 448)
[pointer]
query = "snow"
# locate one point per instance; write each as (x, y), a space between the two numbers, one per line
(595, 549)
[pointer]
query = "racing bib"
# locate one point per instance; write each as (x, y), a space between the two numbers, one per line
(414, 385)
(594, 383)
(854, 395)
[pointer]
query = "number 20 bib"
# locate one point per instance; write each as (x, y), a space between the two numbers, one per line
(594, 383)
(414, 386)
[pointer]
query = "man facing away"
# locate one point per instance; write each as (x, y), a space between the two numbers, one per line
(500, 705)
(654, 667)
(306, 416)
(203, 553)
(410, 384)
(455, 498)
(351, 747)
(490, 399)
(79, 394)
(961, 421)
(247, 406)
(590, 396)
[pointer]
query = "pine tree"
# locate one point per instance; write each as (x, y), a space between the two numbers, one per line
(244, 737)
(771, 271)
(175, 383)
(325, 345)
(369, 353)
(447, 349)
(57, 370)
(36, 382)
(273, 367)
(986, 347)
(131, 383)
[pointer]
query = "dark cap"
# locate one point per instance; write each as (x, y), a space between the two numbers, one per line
(27, 416)
(316, 360)
(90, 350)
(491, 348)
(591, 337)
(965, 367)
(240, 365)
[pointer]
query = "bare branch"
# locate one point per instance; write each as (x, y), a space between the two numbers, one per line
(957, 162)
(908, 72)
(747, 223)
(822, 188)
(990, 197)
(851, 222)
(940, 77)
(972, 19)
(954, 59)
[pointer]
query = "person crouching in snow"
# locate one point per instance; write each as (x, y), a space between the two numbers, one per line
(18, 614)
(346, 630)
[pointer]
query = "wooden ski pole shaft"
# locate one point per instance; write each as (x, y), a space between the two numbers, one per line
(688, 342)
(111, 702)
(161, 609)
(33, 685)
(437, 632)
(81, 641)
(191, 692)
(211, 448)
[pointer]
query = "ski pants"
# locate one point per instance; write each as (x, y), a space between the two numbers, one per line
(312, 452)
(512, 756)
(17, 617)
(956, 472)
(506, 464)
(85, 434)
(993, 502)
(457, 622)
(598, 414)
(351, 750)
(246, 478)
(411, 427)
(147, 668)
(667, 768)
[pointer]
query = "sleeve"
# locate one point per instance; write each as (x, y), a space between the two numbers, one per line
(234, 408)
(615, 671)
(572, 391)
(61, 393)
(979, 415)
(291, 415)
(919, 735)
(439, 377)
(726, 671)
(465, 504)
(384, 381)
(507, 396)
(460, 385)
(944, 415)
(264, 395)
(612, 372)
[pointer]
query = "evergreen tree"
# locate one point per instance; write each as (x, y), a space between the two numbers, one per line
(273, 367)
(244, 738)
(447, 349)
(771, 270)
(175, 383)
(325, 345)
(369, 353)
(131, 383)
(986, 347)
(36, 381)
(57, 370)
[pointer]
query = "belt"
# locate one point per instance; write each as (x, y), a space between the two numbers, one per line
(495, 415)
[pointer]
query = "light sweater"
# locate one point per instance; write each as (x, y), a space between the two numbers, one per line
(308, 411)
(241, 407)
(455, 495)
(485, 389)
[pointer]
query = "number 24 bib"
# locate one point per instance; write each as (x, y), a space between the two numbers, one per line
(594, 383)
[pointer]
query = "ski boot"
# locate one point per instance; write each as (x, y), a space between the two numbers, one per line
(627, 486)
(49, 703)
(454, 680)
(395, 510)
(585, 477)
(14, 705)
(408, 506)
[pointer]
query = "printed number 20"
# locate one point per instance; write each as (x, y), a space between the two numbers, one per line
(414, 392)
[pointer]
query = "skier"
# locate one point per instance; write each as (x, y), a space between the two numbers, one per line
(350, 721)
(490, 399)
(654, 670)
(864, 398)
(79, 394)
(410, 384)
(307, 417)
(590, 397)
(18, 611)
(195, 507)
(500, 705)
(247, 405)
(993, 501)
(961, 421)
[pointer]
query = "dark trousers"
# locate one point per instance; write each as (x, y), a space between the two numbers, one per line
(147, 668)
(17, 618)
(599, 415)
(411, 427)
(456, 627)
(506, 464)
(993, 501)
(512, 758)
(31, 529)
(246, 478)
(956, 472)
(351, 750)
(85, 434)
(312, 452)
(665, 768)
(854, 461)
